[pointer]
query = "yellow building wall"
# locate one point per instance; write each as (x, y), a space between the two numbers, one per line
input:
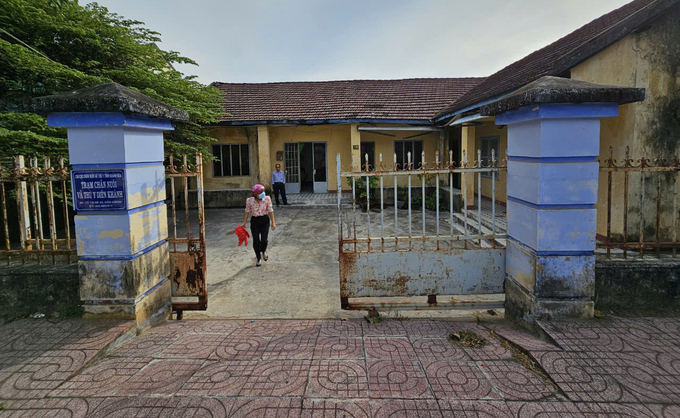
(487, 130)
(337, 138)
(228, 135)
(627, 63)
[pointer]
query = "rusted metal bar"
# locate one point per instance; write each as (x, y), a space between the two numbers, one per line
(396, 225)
(37, 224)
(658, 212)
(354, 207)
(185, 184)
(451, 197)
(5, 221)
(64, 190)
(172, 205)
(22, 205)
(433, 172)
(382, 209)
(452, 304)
(625, 203)
(465, 199)
(436, 238)
(422, 186)
(493, 198)
(642, 206)
(436, 161)
(50, 208)
(408, 167)
(368, 204)
(338, 177)
(479, 196)
(610, 163)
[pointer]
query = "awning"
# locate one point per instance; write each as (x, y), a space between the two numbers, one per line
(466, 119)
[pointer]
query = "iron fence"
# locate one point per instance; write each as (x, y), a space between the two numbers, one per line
(474, 233)
(657, 222)
(35, 193)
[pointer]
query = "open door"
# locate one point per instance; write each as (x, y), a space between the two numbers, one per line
(292, 168)
(320, 168)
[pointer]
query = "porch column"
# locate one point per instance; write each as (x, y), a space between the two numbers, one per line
(553, 145)
(265, 164)
(115, 138)
(355, 142)
(467, 144)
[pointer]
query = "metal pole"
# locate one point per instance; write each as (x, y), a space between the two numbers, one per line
(338, 180)
(451, 197)
(465, 199)
(408, 159)
(368, 204)
(382, 209)
(422, 184)
(436, 157)
(67, 225)
(479, 196)
(396, 226)
(493, 198)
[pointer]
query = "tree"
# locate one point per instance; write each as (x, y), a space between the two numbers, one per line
(49, 47)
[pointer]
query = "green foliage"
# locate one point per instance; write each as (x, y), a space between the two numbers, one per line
(374, 189)
(53, 46)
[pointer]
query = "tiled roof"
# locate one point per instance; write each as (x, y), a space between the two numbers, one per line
(565, 53)
(409, 99)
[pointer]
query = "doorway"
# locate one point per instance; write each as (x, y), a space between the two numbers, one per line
(306, 167)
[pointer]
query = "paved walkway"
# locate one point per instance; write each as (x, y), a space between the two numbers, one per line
(331, 368)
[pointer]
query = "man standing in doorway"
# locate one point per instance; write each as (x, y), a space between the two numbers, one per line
(279, 183)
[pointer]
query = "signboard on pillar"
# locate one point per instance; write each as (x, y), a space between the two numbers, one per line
(99, 190)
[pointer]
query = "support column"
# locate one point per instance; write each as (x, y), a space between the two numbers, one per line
(265, 164)
(553, 145)
(468, 145)
(115, 138)
(355, 142)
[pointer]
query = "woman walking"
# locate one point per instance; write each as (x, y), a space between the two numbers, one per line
(260, 208)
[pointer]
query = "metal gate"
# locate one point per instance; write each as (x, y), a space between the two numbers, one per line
(187, 251)
(396, 252)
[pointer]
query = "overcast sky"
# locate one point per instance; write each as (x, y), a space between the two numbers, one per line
(273, 40)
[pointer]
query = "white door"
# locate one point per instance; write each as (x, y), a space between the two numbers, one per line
(292, 168)
(320, 161)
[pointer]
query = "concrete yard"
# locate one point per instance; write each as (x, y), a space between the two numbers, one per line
(301, 278)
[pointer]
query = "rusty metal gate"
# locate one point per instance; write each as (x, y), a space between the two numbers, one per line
(394, 252)
(187, 251)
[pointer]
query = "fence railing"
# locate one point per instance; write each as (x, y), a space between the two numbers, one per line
(362, 236)
(642, 205)
(40, 235)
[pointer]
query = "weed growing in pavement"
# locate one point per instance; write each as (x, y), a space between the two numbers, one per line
(467, 338)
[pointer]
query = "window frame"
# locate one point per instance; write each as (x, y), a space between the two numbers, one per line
(371, 163)
(220, 157)
(486, 158)
(415, 159)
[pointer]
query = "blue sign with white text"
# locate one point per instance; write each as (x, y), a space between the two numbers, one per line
(98, 189)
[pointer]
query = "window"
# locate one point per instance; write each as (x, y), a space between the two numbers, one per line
(232, 160)
(402, 148)
(368, 148)
(488, 143)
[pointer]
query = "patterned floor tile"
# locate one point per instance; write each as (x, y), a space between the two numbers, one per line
(160, 377)
(196, 346)
(290, 347)
(102, 379)
(225, 378)
(328, 348)
(145, 345)
(458, 380)
(430, 349)
(339, 328)
(36, 377)
(338, 379)
(335, 409)
(578, 410)
(278, 378)
(389, 348)
(477, 409)
(397, 379)
(163, 407)
(278, 328)
(427, 328)
(384, 328)
(74, 408)
(241, 348)
(515, 382)
(525, 340)
(269, 408)
(223, 327)
(405, 409)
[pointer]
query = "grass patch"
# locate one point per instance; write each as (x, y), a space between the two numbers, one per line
(467, 338)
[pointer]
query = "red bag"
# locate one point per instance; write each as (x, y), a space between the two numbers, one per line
(243, 235)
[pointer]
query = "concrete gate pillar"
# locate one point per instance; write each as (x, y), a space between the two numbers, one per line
(553, 145)
(115, 138)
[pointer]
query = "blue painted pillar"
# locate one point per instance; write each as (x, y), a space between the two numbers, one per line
(118, 186)
(553, 146)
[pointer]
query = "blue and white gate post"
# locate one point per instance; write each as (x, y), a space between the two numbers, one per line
(115, 138)
(553, 146)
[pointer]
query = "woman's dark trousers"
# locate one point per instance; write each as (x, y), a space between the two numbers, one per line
(259, 226)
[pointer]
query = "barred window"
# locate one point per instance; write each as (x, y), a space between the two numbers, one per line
(232, 160)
